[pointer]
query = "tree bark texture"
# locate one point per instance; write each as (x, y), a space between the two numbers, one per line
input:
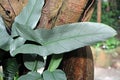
(9, 9)
(77, 64)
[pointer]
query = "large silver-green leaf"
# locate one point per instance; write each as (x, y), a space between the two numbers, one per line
(31, 76)
(4, 36)
(55, 75)
(29, 15)
(64, 38)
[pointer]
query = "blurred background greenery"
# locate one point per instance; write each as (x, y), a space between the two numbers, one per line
(110, 15)
(107, 53)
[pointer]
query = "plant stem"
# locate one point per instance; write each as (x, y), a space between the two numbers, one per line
(35, 64)
(55, 62)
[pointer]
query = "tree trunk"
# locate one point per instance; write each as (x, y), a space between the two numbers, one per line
(99, 11)
(77, 64)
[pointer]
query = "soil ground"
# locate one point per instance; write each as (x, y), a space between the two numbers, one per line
(107, 66)
(106, 74)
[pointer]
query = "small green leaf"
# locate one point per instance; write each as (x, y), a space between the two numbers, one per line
(5, 38)
(33, 62)
(31, 76)
(55, 62)
(55, 75)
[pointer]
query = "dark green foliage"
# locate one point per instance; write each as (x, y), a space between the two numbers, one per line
(110, 14)
(10, 68)
(111, 43)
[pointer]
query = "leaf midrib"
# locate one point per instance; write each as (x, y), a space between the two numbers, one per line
(31, 12)
(73, 37)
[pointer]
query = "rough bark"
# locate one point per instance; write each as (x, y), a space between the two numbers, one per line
(61, 12)
(9, 9)
(78, 64)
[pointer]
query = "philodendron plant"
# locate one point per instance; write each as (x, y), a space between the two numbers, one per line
(36, 44)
